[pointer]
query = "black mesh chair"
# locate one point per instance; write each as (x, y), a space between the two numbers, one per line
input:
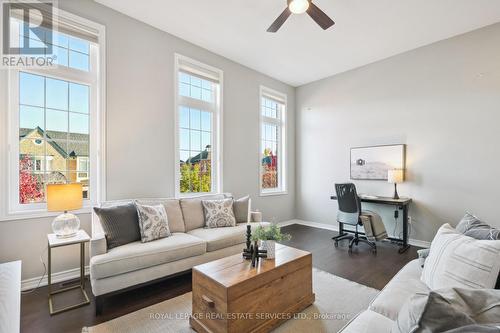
(350, 213)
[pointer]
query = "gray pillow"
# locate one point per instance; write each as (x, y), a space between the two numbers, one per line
(424, 312)
(120, 224)
(491, 328)
(241, 209)
(473, 227)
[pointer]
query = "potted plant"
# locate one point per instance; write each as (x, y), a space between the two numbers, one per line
(268, 235)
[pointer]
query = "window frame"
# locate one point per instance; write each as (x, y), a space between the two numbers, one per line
(11, 208)
(197, 68)
(265, 92)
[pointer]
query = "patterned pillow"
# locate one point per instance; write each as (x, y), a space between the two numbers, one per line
(219, 213)
(153, 222)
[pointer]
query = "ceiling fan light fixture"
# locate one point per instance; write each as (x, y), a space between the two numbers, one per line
(299, 6)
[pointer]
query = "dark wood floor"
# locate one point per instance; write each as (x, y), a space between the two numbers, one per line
(360, 266)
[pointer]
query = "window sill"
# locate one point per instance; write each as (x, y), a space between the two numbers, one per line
(37, 214)
(273, 193)
(195, 195)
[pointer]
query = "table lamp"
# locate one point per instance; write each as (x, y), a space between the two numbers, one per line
(395, 176)
(62, 198)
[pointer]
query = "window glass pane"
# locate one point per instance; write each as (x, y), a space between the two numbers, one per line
(78, 98)
(184, 89)
(184, 117)
(195, 92)
(78, 150)
(31, 185)
(30, 118)
(195, 81)
(60, 39)
(59, 162)
(205, 140)
(78, 123)
(206, 121)
(56, 120)
(195, 138)
(31, 89)
(183, 77)
(195, 119)
(184, 155)
(79, 61)
(206, 95)
(61, 56)
(184, 139)
(57, 94)
(79, 45)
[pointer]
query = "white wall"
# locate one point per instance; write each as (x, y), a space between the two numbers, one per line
(140, 129)
(442, 100)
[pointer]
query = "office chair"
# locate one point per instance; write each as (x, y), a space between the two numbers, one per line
(350, 213)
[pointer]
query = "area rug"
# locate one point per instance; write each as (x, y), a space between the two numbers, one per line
(337, 301)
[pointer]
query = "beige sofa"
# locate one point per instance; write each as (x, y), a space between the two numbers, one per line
(384, 309)
(135, 264)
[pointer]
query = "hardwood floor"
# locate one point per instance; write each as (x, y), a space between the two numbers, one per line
(360, 266)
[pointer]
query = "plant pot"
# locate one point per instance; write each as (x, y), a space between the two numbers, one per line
(270, 246)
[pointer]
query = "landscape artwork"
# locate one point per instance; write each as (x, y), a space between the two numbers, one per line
(372, 163)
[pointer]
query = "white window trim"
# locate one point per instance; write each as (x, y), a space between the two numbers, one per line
(216, 129)
(9, 208)
(282, 158)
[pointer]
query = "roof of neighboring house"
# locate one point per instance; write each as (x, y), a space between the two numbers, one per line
(78, 143)
(196, 159)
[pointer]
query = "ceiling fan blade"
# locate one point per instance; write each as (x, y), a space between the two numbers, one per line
(280, 20)
(319, 16)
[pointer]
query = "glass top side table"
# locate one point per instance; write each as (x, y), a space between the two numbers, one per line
(53, 241)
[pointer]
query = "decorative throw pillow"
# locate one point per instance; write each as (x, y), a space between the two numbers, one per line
(153, 222)
(477, 328)
(473, 227)
(424, 312)
(120, 224)
(242, 208)
(219, 213)
(456, 260)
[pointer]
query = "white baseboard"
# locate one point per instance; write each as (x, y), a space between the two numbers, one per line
(414, 242)
(58, 277)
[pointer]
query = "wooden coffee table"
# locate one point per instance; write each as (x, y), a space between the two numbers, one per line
(231, 296)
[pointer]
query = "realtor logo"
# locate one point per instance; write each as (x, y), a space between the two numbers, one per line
(27, 34)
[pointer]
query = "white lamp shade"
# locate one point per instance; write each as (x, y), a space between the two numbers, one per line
(395, 176)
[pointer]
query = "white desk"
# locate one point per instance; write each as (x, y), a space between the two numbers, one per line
(10, 297)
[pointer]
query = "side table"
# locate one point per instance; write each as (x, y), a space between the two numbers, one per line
(81, 238)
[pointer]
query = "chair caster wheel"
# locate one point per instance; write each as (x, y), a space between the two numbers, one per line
(336, 244)
(374, 251)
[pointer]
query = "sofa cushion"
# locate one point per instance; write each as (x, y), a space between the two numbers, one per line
(404, 284)
(456, 260)
(192, 210)
(120, 224)
(242, 208)
(137, 255)
(174, 212)
(473, 227)
(223, 237)
(368, 322)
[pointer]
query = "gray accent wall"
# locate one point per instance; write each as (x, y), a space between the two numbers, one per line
(442, 100)
(140, 130)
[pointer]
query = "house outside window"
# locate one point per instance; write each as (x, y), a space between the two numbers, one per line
(198, 130)
(272, 160)
(56, 116)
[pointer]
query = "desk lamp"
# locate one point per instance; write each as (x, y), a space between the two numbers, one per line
(395, 176)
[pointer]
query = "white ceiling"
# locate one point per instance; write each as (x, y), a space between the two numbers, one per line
(301, 52)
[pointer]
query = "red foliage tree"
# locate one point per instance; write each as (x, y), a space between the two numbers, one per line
(30, 189)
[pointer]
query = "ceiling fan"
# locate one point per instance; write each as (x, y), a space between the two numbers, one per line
(300, 7)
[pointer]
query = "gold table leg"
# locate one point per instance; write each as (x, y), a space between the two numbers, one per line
(80, 286)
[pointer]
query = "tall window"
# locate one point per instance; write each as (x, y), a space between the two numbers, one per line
(272, 142)
(55, 116)
(198, 127)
